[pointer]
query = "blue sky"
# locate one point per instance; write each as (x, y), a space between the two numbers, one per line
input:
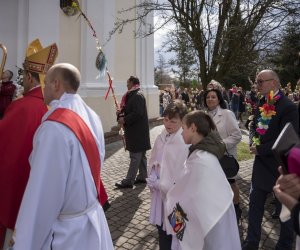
(158, 40)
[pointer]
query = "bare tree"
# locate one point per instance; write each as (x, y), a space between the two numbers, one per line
(224, 33)
(161, 75)
(184, 62)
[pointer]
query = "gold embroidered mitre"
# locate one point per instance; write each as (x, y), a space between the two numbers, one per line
(39, 59)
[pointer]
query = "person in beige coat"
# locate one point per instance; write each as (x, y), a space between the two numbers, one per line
(229, 131)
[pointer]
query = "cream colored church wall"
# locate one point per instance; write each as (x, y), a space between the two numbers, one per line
(69, 39)
(125, 45)
(8, 29)
(125, 55)
(152, 104)
(72, 50)
(105, 109)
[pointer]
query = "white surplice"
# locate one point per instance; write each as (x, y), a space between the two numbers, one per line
(298, 238)
(166, 161)
(60, 209)
(201, 205)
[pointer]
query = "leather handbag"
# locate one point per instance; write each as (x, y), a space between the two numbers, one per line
(229, 165)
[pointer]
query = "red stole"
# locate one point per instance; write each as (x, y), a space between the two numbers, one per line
(75, 123)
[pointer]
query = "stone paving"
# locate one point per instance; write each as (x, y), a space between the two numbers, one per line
(128, 215)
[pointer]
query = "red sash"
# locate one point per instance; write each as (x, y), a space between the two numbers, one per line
(75, 123)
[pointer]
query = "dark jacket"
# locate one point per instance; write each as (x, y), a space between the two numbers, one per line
(242, 105)
(265, 166)
(185, 97)
(299, 118)
(253, 97)
(136, 122)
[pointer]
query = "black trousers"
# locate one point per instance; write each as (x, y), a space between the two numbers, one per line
(165, 240)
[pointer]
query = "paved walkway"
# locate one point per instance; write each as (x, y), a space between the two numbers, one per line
(128, 215)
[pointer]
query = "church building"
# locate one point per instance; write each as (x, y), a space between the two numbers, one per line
(22, 21)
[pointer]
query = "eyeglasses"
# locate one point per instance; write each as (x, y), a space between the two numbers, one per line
(262, 81)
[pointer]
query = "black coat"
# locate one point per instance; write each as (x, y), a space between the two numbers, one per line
(185, 97)
(242, 105)
(265, 167)
(136, 122)
(299, 117)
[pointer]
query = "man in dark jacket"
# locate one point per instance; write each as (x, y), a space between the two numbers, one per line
(265, 166)
(185, 96)
(133, 117)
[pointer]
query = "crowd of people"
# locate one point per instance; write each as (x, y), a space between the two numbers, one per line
(51, 192)
(226, 109)
(241, 102)
(235, 98)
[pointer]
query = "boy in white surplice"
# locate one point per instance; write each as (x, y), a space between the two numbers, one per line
(165, 164)
(199, 205)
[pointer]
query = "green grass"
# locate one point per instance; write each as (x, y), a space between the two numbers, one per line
(243, 152)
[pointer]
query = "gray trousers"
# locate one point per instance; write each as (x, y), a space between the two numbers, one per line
(138, 162)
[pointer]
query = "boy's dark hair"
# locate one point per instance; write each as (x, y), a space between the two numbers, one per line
(202, 121)
(134, 80)
(175, 108)
(219, 95)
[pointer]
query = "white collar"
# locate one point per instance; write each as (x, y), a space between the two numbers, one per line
(64, 98)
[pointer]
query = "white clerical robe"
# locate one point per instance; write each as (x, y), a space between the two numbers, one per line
(298, 238)
(199, 206)
(60, 209)
(166, 161)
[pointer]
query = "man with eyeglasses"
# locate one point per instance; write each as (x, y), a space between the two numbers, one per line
(265, 166)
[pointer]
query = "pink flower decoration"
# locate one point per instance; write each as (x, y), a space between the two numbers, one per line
(277, 97)
(261, 131)
(267, 111)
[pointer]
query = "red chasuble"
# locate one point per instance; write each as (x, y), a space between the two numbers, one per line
(20, 121)
(77, 125)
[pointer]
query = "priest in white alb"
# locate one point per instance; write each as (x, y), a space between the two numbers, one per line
(61, 205)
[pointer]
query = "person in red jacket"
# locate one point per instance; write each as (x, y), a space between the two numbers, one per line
(17, 128)
(7, 91)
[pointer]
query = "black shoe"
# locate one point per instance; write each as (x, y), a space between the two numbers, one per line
(123, 185)
(248, 245)
(137, 181)
(106, 206)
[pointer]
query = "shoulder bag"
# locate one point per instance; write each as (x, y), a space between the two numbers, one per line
(229, 165)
